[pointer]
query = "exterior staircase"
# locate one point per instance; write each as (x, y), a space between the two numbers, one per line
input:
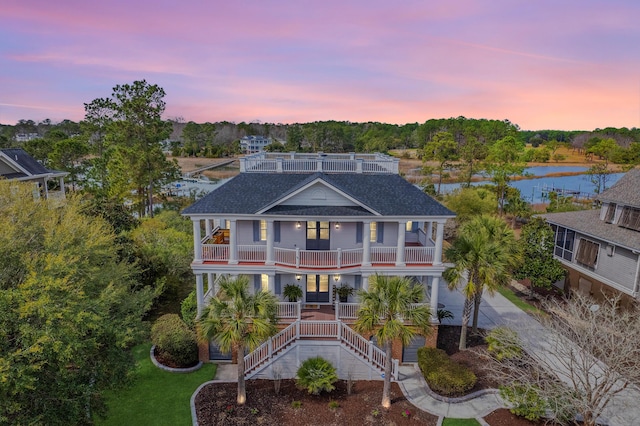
(304, 332)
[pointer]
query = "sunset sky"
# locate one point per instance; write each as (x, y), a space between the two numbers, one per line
(542, 64)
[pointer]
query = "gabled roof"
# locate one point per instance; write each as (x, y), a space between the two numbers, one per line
(588, 222)
(24, 164)
(387, 194)
(625, 191)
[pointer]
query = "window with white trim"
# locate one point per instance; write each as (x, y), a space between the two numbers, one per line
(263, 230)
(373, 232)
(264, 282)
(564, 242)
(611, 213)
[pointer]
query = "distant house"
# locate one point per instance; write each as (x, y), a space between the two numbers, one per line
(16, 164)
(601, 248)
(26, 137)
(253, 144)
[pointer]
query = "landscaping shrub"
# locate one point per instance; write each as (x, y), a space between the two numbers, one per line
(443, 375)
(316, 375)
(504, 343)
(189, 310)
(526, 401)
(175, 342)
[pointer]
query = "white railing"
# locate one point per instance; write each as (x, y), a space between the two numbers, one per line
(418, 254)
(317, 258)
(383, 254)
(289, 310)
(215, 252)
(320, 329)
(327, 163)
(351, 257)
(252, 253)
(347, 310)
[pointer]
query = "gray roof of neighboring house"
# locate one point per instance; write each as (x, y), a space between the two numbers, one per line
(588, 222)
(249, 193)
(27, 162)
(626, 191)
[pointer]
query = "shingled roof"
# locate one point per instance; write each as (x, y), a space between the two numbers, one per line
(588, 222)
(625, 191)
(19, 157)
(385, 194)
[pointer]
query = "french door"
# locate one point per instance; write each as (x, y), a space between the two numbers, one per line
(317, 289)
(318, 235)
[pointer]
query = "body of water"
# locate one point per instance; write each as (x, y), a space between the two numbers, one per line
(534, 190)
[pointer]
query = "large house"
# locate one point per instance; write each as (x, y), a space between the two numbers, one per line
(318, 221)
(601, 248)
(253, 144)
(17, 164)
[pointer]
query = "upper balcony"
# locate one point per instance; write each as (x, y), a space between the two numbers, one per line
(415, 248)
(293, 162)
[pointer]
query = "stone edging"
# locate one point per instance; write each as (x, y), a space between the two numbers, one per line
(171, 369)
(458, 399)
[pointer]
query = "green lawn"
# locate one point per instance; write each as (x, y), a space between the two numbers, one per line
(156, 397)
(460, 422)
(509, 294)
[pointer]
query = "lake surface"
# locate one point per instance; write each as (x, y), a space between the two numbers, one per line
(534, 190)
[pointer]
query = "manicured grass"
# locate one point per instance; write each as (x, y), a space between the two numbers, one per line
(509, 294)
(156, 397)
(460, 422)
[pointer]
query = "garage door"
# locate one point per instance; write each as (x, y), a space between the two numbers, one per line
(410, 352)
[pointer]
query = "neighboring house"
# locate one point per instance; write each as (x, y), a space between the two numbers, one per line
(601, 248)
(253, 144)
(26, 137)
(318, 221)
(16, 164)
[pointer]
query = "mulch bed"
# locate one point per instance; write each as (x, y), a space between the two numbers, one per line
(216, 406)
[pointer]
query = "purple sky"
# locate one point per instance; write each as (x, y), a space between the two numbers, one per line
(542, 64)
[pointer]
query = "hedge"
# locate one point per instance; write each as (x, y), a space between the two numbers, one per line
(443, 375)
(174, 341)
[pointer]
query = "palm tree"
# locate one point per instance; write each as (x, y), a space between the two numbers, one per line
(484, 254)
(387, 310)
(236, 319)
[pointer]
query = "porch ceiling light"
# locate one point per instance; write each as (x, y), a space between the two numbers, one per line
(298, 224)
(337, 225)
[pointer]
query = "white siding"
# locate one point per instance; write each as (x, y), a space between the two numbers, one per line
(318, 194)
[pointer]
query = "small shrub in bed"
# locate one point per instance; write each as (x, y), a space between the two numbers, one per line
(175, 342)
(317, 375)
(504, 343)
(443, 375)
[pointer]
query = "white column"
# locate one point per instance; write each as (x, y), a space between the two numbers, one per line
(366, 244)
(199, 294)
(437, 256)
(272, 283)
(435, 283)
(365, 282)
(197, 241)
(207, 227)
(402, 226)
(62, 186)
(233, 242)
(210, 283)
(270, 240)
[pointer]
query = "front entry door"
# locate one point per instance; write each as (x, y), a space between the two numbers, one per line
(317, 288)
(318, 235)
